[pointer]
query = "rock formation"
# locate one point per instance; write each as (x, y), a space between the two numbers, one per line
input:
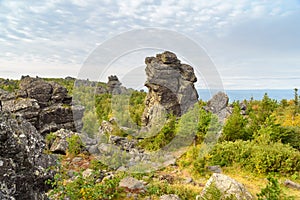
(23, 166)
(171, 87)
(218, 105)
(227, 187)
(46, 105)
(114, 85)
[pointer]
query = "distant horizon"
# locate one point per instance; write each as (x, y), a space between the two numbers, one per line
(252, 44)
(197, 88)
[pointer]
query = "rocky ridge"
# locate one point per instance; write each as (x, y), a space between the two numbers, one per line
(46, 105)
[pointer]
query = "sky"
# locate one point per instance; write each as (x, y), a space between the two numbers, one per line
(254, 44)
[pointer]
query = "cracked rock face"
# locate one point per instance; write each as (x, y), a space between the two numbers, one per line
(171, 87)
(23, 166)
(46, 105)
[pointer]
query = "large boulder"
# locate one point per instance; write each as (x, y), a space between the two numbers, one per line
(23, 166)
(171, 87)
(227, 186)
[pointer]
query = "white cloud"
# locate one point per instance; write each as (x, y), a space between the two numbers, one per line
(64, 32)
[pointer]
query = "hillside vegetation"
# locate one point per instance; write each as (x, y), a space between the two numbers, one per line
(259, 147)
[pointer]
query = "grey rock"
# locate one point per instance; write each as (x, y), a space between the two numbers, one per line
(171, 87)
(101, 90)
(218, 105)
(114, 85)
(77, 159)
(227, 186)
(93, 149)
(60, 116)
(46, 105)
(3, 94)
(169, 197)
(131, 184)
(218, 102)
(188, 180)
(71, 173)
(291, 184)
(106, 127)
(60, 144)
(87, 173)
(26, 108)
(215, 169)
(23, 166)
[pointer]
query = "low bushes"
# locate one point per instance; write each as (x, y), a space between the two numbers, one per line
(260, 157)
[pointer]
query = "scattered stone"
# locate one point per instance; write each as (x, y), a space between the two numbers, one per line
(71, 173)
(215, 169)
(166, 177)
(188, 180)
(228, 187)
(122, 169)
(87, 173)
(77, 159)
(106, 127)
(291, 184)
(131, 184)
(169, 197)
(93, 149)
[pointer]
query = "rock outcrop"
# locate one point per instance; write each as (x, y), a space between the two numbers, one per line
(227, 186)
(113, 86)
(218, 105)
(171, 87)
(23, 166)
(46, 105)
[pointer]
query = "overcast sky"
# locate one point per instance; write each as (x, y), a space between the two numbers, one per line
(253, 43)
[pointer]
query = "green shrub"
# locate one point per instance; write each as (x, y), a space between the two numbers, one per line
(84, 188)
(163, 138)
(159, 189)
(75, 145)
(234, 128)
(272, 191)
(259, 157)
(203, 125)
(137, 106)
(49, 139)
(103, 106)
(213, 193)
